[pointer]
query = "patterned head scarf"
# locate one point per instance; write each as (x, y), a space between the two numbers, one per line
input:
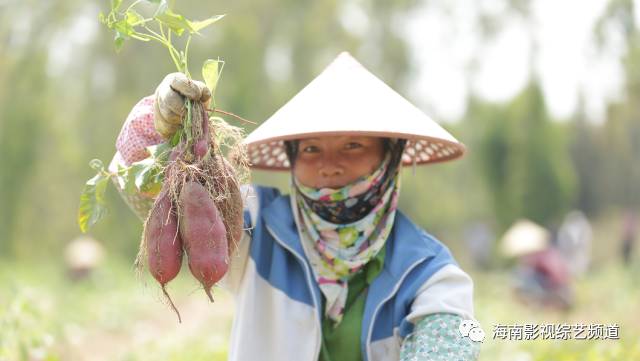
(342, 229)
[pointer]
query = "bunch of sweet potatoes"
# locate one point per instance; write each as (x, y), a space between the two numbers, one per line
(197, 212)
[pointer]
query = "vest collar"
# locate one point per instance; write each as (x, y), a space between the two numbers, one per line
(279, 218)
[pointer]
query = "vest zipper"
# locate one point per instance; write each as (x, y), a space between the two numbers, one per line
(309, 285)
(375, 312)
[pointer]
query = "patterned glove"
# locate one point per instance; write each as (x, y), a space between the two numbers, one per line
(436, 338)
(168, 105)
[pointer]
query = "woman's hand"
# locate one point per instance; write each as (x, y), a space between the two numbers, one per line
(168, 105)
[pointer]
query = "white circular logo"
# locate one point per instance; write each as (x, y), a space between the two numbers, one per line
(471, 328)
(476, 334)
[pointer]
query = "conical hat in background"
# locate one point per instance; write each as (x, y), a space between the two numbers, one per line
(346, 99)
(524, 237)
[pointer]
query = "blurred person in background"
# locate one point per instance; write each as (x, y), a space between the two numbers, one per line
(82, 256)
(574, 242)
(541, 275)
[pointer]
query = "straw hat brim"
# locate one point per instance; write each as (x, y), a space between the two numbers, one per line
(346, 99)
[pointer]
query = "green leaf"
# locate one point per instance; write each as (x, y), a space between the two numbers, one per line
(124, 30)
(211, 73)
(92, 203)
(130, 179)
(158, 179)
(118, 41)
(176, 137)
(121, 176)
(160, 152)
(199, 25)
(175, 22)
(134, 170)
(102, 18)
(133, 18)
(144, 176)
(123, 27)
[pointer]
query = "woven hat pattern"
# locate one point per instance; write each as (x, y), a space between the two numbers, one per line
(272, 155)
(347, 99)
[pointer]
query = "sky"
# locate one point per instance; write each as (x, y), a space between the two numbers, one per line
(444, 40)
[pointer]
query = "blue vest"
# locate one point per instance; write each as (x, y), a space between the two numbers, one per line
(412, 257)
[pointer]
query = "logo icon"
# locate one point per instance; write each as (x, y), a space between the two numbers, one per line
(471, 328)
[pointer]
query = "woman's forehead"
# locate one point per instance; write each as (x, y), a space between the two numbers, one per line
(342, 138)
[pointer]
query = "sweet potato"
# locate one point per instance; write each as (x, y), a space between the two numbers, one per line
(230, 206)
(200, 148)
(163, 243)
(203, 234)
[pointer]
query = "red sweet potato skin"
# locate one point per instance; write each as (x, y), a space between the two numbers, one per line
(231, 205)
(163, 242)
(203, 234)
(200, 148)
(235, 226)
(202, 145)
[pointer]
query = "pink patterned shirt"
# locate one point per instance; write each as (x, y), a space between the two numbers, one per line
(137, 133)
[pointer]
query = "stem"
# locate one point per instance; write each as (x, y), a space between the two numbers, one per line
(172, 50)
(186, 123)
(161, 29)
(107, 174)
(186, 57)
(161, 38)
(144, 22)
(154, 36)
(164, 41)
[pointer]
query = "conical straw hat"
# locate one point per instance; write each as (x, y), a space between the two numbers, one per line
(346, 99)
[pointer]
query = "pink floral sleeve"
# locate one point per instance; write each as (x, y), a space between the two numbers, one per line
(137, 133)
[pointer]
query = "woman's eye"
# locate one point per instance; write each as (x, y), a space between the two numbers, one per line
(310, 149)
(353, 145)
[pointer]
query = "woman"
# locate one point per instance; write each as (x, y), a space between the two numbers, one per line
(332, 271)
